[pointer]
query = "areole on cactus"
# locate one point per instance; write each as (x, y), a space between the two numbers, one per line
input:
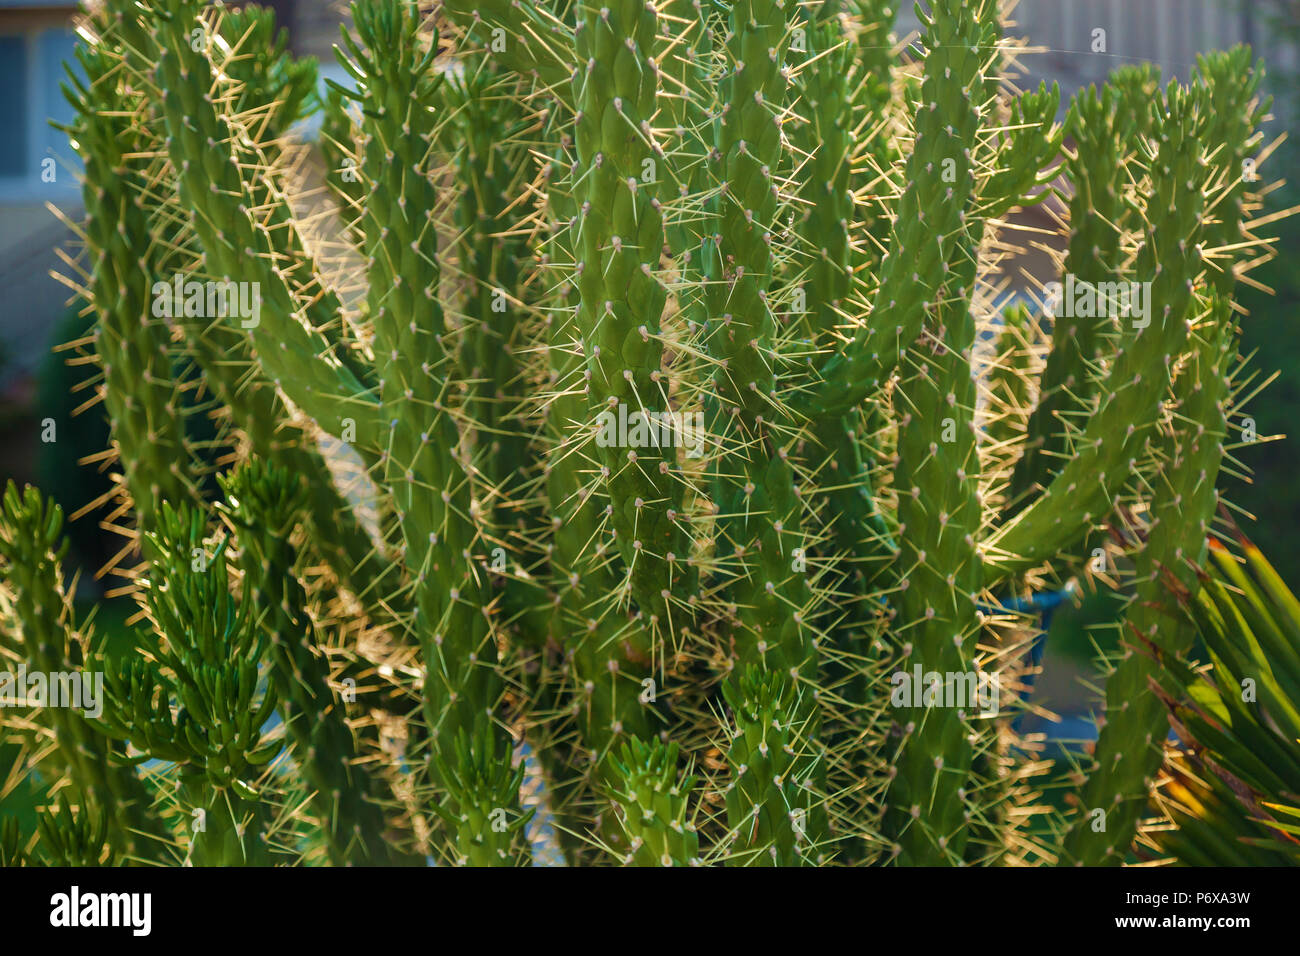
(543, 217)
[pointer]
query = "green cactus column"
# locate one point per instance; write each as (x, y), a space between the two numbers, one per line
(338, 146)
(618, 241)
(42, 634)
(264, 504)
(603, 688)
(419, 461)
(758, 509)
(822, 139)
(1190, 448)
(132, 340)
(1131, 742)
(825, 228)
(941, 577)
(931, 211)
(1103, 126)
(238, 245)
(758, 512)
(193, 107)
(1083, 492)
(491, 159)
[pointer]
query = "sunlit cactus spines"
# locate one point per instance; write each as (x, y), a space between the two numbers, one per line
(632, 454)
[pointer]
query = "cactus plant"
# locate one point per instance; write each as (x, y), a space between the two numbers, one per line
(661, 333)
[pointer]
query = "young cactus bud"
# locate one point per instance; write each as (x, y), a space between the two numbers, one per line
(654, 805)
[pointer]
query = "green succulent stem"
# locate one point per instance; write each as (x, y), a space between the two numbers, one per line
(421, 463)
(939, 186)
(133, 343)
(1083, 492)
(42, 634)
(654, 802)
(264, 505)
(618, 240)
(1130, 745)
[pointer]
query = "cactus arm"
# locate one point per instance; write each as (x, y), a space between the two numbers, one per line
(1186, 498)
(618, 242)
(937, 477)
(619, 238)
(133, 344)
(226, 356)
(754, 491)
(427, 482)
(836, 101)
(828, 203)
(272, 82)
(489, 136)
(683, 57)
(202, 147)
(654, 803)
(1083, 491)
(874, 155)
(1102, 135)
(825, 96)
(1130, 746)
(756, 501)
(263, 505)
(487, 121)
(42, 633)
(1031, 140)
(933, 206)
(266, 92)
(603, 683)
(1231, 89)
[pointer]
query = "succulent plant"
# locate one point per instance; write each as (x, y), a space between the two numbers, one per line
(1229, 781)
(637, 415)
